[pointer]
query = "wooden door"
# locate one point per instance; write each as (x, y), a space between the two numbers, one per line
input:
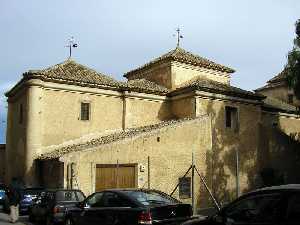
(115, 176)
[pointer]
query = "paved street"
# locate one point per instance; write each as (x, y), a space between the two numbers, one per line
(4, 220)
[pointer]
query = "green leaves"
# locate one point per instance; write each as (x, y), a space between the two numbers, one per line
(293, 65)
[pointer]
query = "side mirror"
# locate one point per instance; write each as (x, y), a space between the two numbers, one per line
(82, 205)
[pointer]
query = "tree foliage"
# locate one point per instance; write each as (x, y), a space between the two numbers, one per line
(293, 64)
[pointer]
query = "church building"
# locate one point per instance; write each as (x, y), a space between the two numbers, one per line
(73, 127)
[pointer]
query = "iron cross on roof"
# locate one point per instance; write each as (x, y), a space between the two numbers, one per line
(71, 45)
(179, 36)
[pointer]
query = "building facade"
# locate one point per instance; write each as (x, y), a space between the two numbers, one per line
(70, 126)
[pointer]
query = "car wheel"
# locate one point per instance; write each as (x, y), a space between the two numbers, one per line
(69, 221)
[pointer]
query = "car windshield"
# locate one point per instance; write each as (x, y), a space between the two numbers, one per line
(151, 197)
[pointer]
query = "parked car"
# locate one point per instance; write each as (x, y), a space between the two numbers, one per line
(278, 205)
(129, 207)
(3, 197)
(28, 195)
(51, 205)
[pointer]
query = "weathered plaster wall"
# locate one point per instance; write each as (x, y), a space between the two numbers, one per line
(184, 107)
(2, 162)
(16, 138)
(279, 148)
(61, 115)
(181, 73)
(170, 156)
(159, 73)
(281, 93)
(143, 112)
(226, 141)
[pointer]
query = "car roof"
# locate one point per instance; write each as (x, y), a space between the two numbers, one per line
(279, 187)
(131, 189)
(55, 190)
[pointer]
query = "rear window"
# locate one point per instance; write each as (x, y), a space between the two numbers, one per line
(66, 196)
(32, 191)
(151, 197)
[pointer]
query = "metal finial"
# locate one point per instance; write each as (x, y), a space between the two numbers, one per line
(71, 45)
(179, 36)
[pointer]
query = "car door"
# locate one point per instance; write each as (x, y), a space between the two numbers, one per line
(293, 209)
(118, 210)
(256, 209)
(91, 211)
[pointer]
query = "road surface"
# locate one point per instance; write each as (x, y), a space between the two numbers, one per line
(4, 220)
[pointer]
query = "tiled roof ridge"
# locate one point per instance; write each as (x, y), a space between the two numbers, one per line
(146, 85)
(139, 85)
(114, 137)
(181, 55)
(279, 77)
(68, 61)
(210, 85)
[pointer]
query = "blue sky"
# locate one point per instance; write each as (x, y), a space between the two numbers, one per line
(251, 36)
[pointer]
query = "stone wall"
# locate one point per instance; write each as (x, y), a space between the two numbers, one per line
(169, 148)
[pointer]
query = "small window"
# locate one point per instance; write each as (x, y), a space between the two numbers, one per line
(231, 118)
(184, 187)
(21, 113)
(85, 111)
(290, 98)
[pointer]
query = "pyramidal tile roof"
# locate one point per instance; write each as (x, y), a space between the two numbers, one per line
(278, 80)
(208, 85)
(279, 77)
(181, 55)
(71, 71)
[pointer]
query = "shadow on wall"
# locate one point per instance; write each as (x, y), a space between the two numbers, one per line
(267, 156)
(279, 156)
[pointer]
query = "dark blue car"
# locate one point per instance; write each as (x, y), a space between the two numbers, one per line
(3, 196)
(28, 195)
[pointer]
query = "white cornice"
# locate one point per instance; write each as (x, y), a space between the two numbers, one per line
(287, 115)
(203, 94)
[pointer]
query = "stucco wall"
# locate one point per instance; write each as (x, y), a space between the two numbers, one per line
(16, 138)
(159, 73)
(184, 107)
(182, 73)
(142, 112)
(279, 148)
(281, 93)
(170, 156)
(227, 141)
(61, 115)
